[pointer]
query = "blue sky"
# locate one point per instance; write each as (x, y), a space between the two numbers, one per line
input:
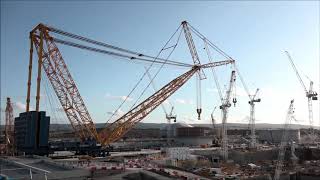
(255, 34)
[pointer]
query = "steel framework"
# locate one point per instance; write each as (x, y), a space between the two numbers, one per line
(9, 128)
(224, 108)
(310, 94)
(55, 68)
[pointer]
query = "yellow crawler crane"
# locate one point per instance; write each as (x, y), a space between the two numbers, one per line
(51, 61)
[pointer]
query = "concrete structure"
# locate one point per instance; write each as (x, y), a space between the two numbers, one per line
(143, 133)
(193, 131)
(178, 153)
(173, 129)
(32, 132)
(193, 141)
(275, 135)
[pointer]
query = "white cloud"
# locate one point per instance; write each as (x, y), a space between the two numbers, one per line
(20, 106)
(111, 97)
(184, 101)
(117, 113)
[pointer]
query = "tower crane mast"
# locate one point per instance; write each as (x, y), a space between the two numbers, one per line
(224, 108)
(252, 101)
(284, 141)
(252, 122)
(9, 128)
(310, 94)
(169, 116)
(225, 104)
(213, 119)
(215, 139)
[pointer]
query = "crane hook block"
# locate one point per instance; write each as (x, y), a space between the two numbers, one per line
(199, 113)
(234, 100)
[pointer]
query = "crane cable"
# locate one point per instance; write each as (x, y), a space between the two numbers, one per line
(216, 48)
(81, 38)
(50, 98)
(242, 82)
(155, 89)
(144, 74)
(162, 65)
(213, 70)
(102, 51)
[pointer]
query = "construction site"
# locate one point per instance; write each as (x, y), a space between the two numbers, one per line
(34, 146)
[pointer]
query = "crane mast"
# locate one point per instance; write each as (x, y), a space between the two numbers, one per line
(9, 128)
(169, 116)
(213, 119)
(252, 102)
(311, 95)
(284, 141)
(215, 139)
(224, 108)
(63, 84)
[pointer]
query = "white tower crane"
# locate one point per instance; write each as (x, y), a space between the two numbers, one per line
(9, 128)
(215, 140)
(311, 95)
(213, 119)
(284, 141)
(224, 108)
(169, 116)
(253, 100)
(225, 103)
